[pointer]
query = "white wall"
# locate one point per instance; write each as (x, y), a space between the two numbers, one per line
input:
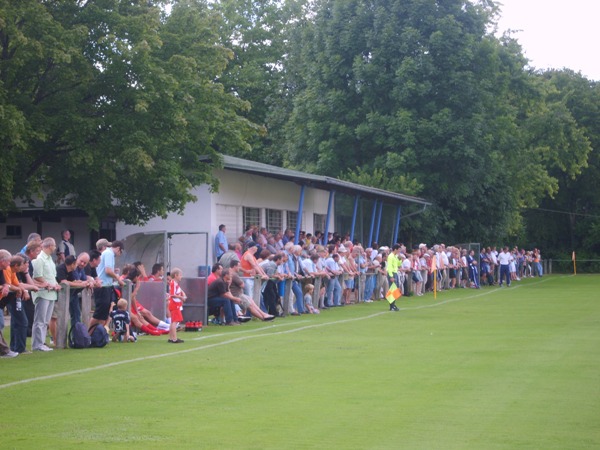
(242, 189)
(81, 233)
(236, 189)
(187, 251)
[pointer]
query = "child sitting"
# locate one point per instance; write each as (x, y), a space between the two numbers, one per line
(308, 293)
(121, 320)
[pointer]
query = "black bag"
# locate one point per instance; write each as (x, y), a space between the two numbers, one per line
(98, 336)
(79, 336)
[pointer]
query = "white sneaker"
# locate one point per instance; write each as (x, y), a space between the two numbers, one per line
(10, 354)
(43, 348)
(368, 301)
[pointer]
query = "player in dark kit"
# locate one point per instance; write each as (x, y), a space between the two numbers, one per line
(121, 320)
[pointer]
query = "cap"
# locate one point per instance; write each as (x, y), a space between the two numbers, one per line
(103, 243)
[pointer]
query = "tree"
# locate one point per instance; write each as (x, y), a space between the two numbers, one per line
(110, 104)
(425, 85)
(568, 221)
(257, 33)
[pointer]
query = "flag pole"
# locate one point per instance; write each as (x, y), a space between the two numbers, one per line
(574, 264)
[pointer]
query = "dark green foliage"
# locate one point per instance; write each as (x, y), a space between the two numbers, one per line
(421, 90)
(571, 220)
(107, 105)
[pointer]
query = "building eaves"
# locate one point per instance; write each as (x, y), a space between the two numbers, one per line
(312, 180)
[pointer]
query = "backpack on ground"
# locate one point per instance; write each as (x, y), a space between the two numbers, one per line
(79, 336)
(98, 335)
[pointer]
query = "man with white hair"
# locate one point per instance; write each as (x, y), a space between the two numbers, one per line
(44, 274)
(31, 238)
(405, 273)
(103, 244)
(440, 266)
(296, 269)
(334, 289)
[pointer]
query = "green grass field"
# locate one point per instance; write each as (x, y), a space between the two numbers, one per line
(497, 368)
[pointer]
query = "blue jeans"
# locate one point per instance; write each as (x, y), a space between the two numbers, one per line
(75, 307)
(397, 280)
(226, 304)
(504, 272)
(18, 327)
(369, 286)
(334, 292)
(297, 290)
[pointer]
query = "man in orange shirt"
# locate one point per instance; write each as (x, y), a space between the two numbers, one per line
(18, 295)
(5, 256)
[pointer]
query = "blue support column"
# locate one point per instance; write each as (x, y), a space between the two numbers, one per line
(299, 222)
(396, 225)
(329, 208)
(373, 214)
(378, 224)
(354, 217)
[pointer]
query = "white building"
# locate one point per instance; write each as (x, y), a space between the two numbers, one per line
(249, 193)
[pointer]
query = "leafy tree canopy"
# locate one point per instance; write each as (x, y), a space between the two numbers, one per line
(425, 81)
(106, 105)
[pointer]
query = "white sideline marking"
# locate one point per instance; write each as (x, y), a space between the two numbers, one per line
(243, 338)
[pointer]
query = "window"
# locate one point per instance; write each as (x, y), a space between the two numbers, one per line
(274, 220)
(319, 222)
(230, 216)
(108, 230)
(292, 219)
(13, 232)
(251, 216)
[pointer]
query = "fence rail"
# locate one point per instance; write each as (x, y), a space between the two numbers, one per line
(567, 266)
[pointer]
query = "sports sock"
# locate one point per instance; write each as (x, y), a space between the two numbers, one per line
(149, 329)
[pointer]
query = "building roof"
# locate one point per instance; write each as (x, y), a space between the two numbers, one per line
(316, 181)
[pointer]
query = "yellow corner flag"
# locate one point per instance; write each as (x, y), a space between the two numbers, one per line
(393, 294)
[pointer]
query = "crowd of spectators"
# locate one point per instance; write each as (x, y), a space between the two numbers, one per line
(350, 273)
(31, 280)
(294, 276)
